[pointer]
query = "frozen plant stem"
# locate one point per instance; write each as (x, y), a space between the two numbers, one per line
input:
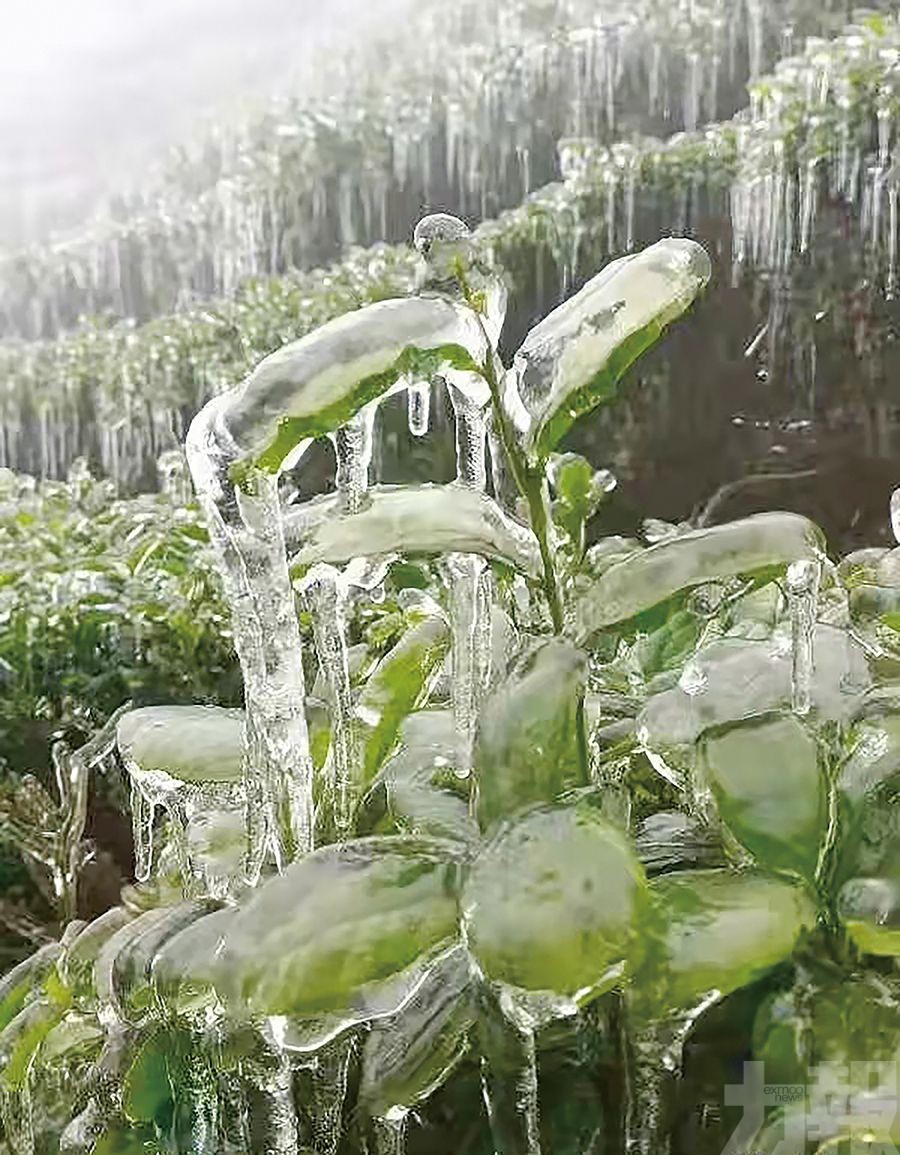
(803, 590)
(529, 480)
(326, 598)
(532, 484)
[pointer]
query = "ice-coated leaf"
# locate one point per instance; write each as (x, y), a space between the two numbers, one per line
(722, 930)
(575, 358)
(411, 520)
(122, 967)
(868, 792)
(76, 1037)
(767, 780)
(22, 1037)
(131, 967)
(731, 679)
(555, 902)
(406, 1057)
(24, 981)
(188, 743)
(347, 917)
(399, 684)
(312, 386)
(749, 547)
(870, 910)
(183, 969)
(527, 742)
(77, 962)
(413, 779)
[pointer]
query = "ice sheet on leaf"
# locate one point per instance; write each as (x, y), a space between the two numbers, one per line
(555, 904)
(753, 545)
(313, 386)
(767, 777)
(740, 679)
(188, 743)
(130, 964)
(412, 779)
(721, 930)
(574, 359)
(183, 969)
(409, 519)
(408, 1056)
(527, 748)
(341, 922)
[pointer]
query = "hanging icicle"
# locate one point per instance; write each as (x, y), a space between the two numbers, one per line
(803, 592)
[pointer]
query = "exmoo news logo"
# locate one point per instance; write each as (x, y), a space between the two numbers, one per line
(845, 1108)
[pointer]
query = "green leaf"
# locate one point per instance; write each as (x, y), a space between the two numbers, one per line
(723, 930)
(76, 966)
(188, 743)
(643, 580)
(575, 358)
(413, 520)
(767, 780)
(311, 387)
(399, 684)
(345, 919)
(414, 779)
(147, 1091)
(731, 679)
(870, 910)
(24, 981)
(22, 1038)
(527, 746)
(579, 492)
(555, 903)
(121, 1139)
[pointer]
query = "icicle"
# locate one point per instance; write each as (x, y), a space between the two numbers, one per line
(17, 1117)
(329, 1079)
(692, 92)
(471, 435)
(390, 1134)
(644, 1080)
(326, 597)
(233, 1137)
(418, 407)
(895, 515)
(803, 589)
(248, 536)
(891, 283)
(272, 1117)
(81, 1134)
(807, 204)
(463, 572)
(755, 13)
(142, 813)
(197, 1107)
(353, 448)
(509, 1073)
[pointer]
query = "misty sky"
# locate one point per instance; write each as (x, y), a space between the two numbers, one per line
(92, 91)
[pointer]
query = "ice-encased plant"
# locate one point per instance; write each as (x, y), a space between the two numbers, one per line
(590, 790)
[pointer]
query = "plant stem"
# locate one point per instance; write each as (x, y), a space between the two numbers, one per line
(529, 480)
